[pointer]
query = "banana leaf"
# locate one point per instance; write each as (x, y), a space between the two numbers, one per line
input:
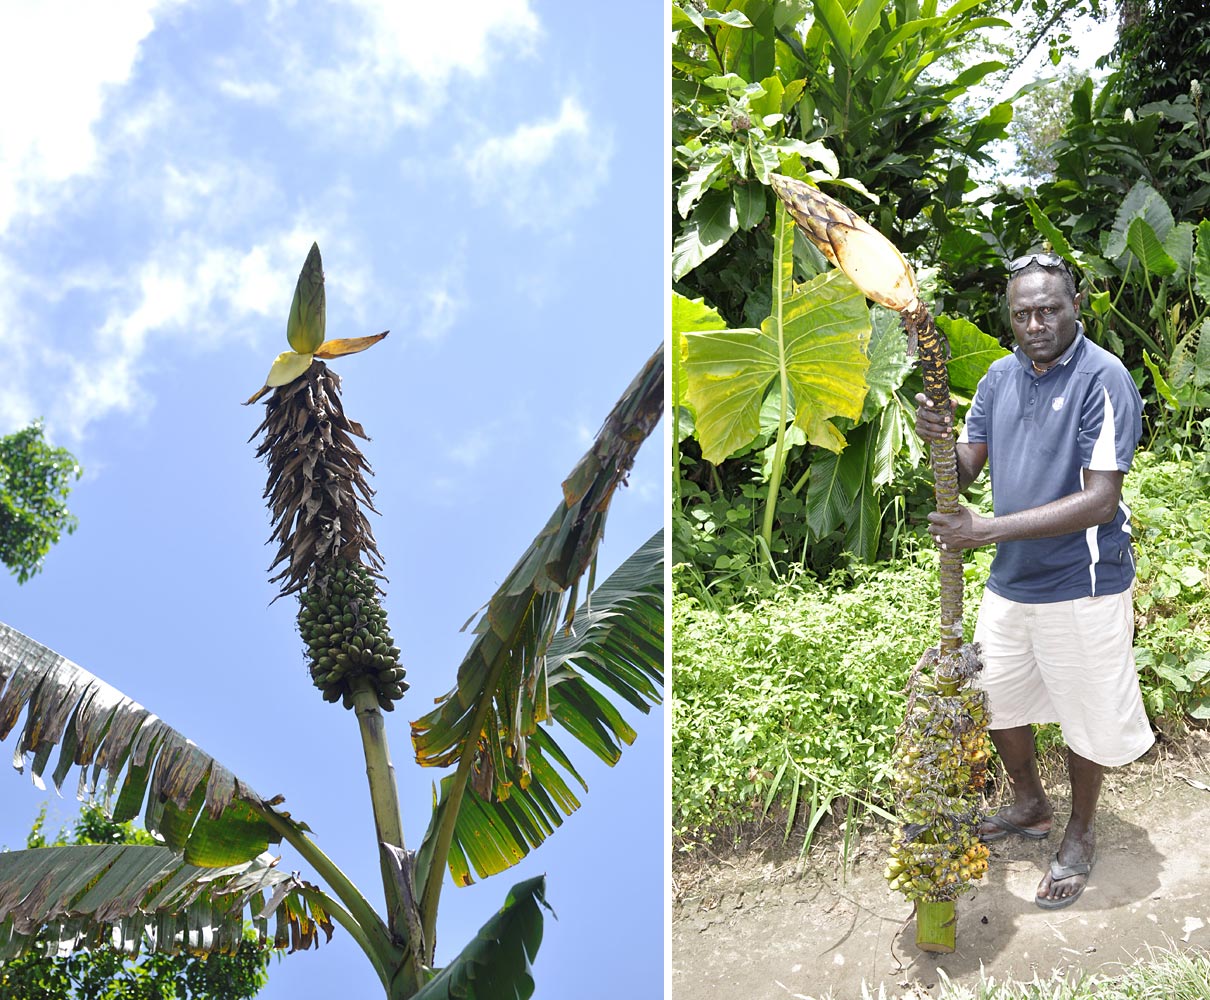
(496, 965)
(505, 674)
(614, 649)
(134, 897)
(200, 808)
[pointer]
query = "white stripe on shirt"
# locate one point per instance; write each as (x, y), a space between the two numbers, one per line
(1104, 449)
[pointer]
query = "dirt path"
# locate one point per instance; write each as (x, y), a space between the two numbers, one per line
(750, 927)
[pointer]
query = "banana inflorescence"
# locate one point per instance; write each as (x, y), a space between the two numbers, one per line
(341, 619)
(940, 767)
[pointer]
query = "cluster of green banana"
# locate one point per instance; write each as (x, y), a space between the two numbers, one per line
(344, 626)
(940, 765)
(934, 871)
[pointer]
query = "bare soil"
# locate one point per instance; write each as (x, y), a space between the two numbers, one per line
(759, 923)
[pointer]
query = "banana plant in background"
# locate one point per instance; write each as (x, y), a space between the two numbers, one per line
(538, 655)
(940, 747)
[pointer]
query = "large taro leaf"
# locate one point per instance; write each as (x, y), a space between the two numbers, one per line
(687, 315)
(134, 897)
(1201, 260)
(198, 806)
(615, 640)
(815, 338)
(496, 964)
(863, 523)
(841, 490)
(1145, 245)
(971, 352)
(1142, 202)
(889, 363)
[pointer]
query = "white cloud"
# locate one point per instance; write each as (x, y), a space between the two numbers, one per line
(253, 91)
(58, 60)
(543, 171)
(473, 446)
(193, 294)
(389, 64)
(417, 40)
(443, 298)
(216, 192)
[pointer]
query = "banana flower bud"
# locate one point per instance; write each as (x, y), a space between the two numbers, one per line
(305, 328)
(870, 260)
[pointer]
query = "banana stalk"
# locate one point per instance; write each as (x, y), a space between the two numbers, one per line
(941, 748)
(319, 498)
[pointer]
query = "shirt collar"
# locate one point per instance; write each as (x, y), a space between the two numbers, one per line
(1072, 349)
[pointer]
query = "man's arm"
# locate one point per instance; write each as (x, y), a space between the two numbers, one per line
(1096, 503)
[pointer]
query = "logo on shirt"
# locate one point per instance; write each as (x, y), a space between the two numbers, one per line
(1056, 404)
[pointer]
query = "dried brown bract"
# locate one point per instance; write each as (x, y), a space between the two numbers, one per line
(317, 491)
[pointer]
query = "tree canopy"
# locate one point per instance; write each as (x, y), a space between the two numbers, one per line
(35, 480)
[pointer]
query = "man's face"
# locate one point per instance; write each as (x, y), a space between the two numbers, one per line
(1043, 315)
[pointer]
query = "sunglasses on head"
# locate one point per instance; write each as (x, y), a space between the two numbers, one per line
(1045, 259)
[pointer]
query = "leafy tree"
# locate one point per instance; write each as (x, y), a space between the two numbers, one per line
(539, 655)
(839, 94)
(104, 973)
(1163, 46)
(35, 480)
(1038, 122)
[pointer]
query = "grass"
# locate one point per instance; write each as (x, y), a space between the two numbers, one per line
(1163, 975)
(788, 701)
(795, 699)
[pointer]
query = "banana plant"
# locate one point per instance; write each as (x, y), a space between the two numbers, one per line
(940, 834)
(538, 655)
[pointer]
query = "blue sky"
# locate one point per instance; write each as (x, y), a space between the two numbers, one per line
(486, 180)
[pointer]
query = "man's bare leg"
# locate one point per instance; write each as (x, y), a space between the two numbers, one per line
(1030, 807)
(1079, 839)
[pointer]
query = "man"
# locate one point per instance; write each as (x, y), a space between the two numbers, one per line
(1057, 422)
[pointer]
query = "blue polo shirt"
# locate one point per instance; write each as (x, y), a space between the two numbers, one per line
(1042, 432)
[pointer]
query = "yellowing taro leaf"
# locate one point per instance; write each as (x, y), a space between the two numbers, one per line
(816, 336)
(351, 345)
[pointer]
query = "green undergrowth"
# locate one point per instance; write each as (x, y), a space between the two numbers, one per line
(1170, 504)
(791, 703)
(785, 704)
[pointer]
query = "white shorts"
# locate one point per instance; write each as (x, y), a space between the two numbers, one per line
(1071, 662)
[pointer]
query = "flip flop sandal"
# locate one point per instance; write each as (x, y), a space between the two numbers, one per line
(1007, 827)
(1059, 872)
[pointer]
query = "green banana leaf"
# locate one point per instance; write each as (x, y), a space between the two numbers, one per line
(200, 808)
(135, 897)
(616, 641)
(496, 965)
(506, 685)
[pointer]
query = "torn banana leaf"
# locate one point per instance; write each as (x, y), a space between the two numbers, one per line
(58, 900)
(128, 758)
